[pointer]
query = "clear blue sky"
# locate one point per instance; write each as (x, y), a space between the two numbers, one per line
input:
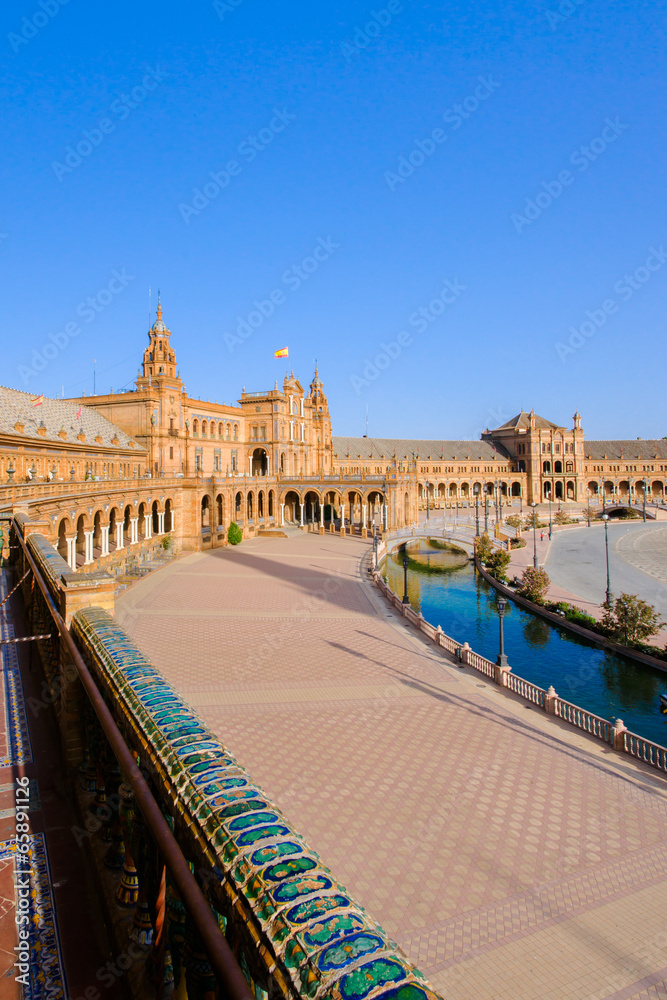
(317, 107)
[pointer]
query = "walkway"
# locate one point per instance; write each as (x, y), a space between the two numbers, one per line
(575, 562)
(508, 855)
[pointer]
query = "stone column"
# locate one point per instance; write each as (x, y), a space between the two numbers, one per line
(71, 552)
(363, 510)
(321, 514)
(160, 522)
(148, 526)
(105, 541)
(88, 535)
(342, 519)
(302, 506)
(282, 515)
(120, 531)
(134, 530)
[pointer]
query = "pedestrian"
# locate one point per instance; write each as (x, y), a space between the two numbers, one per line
(541, 536)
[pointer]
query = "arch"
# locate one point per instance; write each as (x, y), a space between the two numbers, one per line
(206, 513)
(97, 531)
(114, 515)
(168, 515)
(546, 467)
(127, 527)
(608, 488)
(624, 488)
(282, 461)
(141, 527)
(558, 468)
(559, 490)
(238, 506)
(259, 462)
(292, 502)
(593, 487)
(260, 505)
(569, 490)
(204, 428)
(229, 431)
(195, 428)
(219, 511)
(271, 504)
(155, 520)
(657, 488)
(547, 490)
(81, 524)
(221, 430)
(465, 489)
(516, 489)
(250, 505)
(63, 528)
(312, 505)
(406, 508)
(452, 489)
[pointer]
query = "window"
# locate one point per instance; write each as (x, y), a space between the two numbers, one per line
(171, 453)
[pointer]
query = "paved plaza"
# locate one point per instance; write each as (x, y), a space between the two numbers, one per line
(510, 856)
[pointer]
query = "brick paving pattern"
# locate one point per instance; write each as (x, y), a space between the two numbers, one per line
(507, 854)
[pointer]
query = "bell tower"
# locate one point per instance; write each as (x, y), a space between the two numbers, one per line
(159, 362)
(321, 424)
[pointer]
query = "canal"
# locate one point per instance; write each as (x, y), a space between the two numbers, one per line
(445, 587)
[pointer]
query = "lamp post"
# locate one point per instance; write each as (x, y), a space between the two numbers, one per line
(486, 512)
(496, 497)
(406, 600)
(605, 518)
(534, 505)
(644, 508)
(375, 547)
(427, 503)
(501, 604)
(477, 511)
(550, 521)
(588, 509)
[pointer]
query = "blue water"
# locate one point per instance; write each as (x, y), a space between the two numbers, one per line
(463, 604)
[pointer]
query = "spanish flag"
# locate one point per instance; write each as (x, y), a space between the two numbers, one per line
(38, 401)
(282, 353)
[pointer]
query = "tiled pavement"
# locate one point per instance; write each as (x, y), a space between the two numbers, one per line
(509, 855)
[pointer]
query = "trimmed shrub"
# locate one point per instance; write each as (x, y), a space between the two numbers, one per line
(234, 534)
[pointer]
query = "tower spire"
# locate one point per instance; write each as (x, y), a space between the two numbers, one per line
(159, 305)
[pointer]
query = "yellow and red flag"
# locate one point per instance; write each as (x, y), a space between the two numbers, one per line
(38, 401)
(282, 353)
(78, 413)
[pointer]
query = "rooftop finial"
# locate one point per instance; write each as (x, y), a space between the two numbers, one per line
(159, 305)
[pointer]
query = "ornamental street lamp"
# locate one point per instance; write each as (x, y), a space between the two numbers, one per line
(375, 547)
(496, 499)
(534, 505)
(550, 520)
(644, 509)
(605, 518)
(10, 472)
(588, 510)
(477, 511)
(501, 604)
(427, 503)
(406, 599)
